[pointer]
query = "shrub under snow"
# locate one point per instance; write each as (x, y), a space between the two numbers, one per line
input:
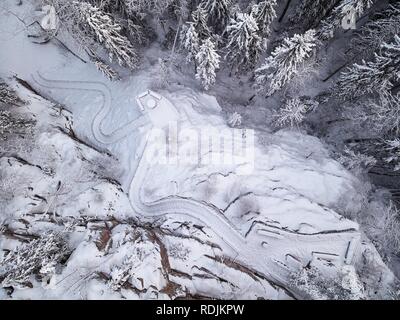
(346, 286)
(38, 257)
(8, 96)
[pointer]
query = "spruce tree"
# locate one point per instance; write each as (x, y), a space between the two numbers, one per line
(108, 32)
(340, 12)
(218, 12)
(382, 27)
(244, 43)
(199, 20)
(375, 76)
(207, 63)
(264, 14)
(284, 62)
(190, 41)
(311, 12)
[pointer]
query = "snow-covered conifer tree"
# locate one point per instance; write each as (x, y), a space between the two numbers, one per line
(199, 18)
(377, 76)
(311, 12)
(182, 9)
(285, 61)
(340, 12)
(104, 68)
(353, 160)
(143, 7)
(386, 150)
(207, 63)
(382, 28)
(381, 115)
(359, 5)
(264, 14)
(137, 32)
(90, 24)
(190, 41)
(391, 225)
(194, 32)
(107, 32)
(158, 7)
(244, 44)
(294, 112)
(218, 12)
(393, 153)
(137, 7)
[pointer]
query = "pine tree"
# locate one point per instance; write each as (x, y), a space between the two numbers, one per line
(353, 160)
(244, 44)
(207, 63)
(392, 148)
(104, 68)
(194, 32)
(218, 12)
(381, 28)
(137, 32)
(190, 41)
(158, 7)
(385, 114)
(199, 18)
(143, 7)
(107, 32)
(376, 76)
(359, 5)
(334, 20)
(182, 9)
(391, 225)
(386, 151)
(382, 115)
(285, 61)
(311, 12)
(264, 14)
(294, 112)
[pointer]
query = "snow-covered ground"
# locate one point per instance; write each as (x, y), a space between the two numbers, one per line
(137, 230)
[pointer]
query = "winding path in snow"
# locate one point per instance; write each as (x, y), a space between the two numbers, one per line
(175, 205)
(106, 108)
(169, 206)
(251, 253)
